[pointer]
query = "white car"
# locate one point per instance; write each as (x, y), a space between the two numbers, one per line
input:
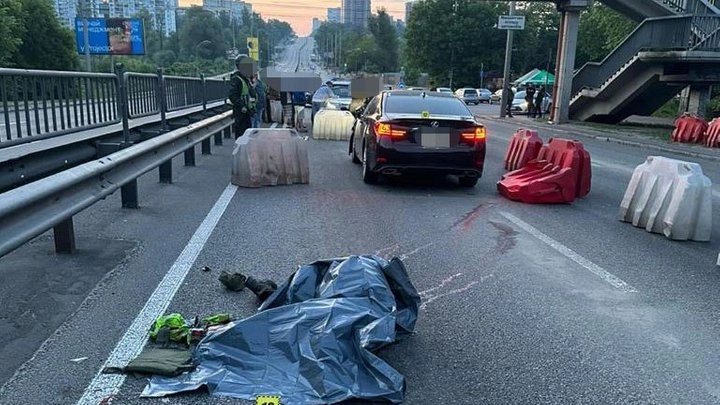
(519, 105)
(444, 90)
(484, 95)
(342, 98)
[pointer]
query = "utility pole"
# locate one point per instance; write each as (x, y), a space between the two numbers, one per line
(508, 59)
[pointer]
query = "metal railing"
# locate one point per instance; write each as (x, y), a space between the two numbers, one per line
(654, 34)
(37, 102)
(41, 104)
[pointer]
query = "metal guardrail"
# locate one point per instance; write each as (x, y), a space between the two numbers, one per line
(30, 210)
(659, 34)
(41, 104)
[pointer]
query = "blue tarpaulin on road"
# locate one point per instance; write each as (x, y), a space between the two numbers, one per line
(312, 341)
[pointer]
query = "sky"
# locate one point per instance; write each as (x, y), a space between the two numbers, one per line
(300, 13)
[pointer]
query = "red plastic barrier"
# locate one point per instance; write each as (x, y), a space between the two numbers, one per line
(560, 174)
(524, 147)
(712, 135)
(689, 128)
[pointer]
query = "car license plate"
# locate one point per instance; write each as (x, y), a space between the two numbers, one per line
(435, 139)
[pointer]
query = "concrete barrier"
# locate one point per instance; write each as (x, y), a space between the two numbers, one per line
(671, 197)
(270, 157)
(333, 124)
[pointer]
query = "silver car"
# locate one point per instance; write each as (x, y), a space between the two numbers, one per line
(484, 95)
(468, 95)
(519, 105)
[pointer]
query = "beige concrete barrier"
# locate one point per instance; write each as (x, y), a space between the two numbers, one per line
(333, 124)
(270, 157)
(671, 197)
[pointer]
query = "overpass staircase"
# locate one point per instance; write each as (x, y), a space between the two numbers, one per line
(675, 45)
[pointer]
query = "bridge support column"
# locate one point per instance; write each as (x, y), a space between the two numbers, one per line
(64, 235)
(218, 138)
(569, 22)
(694, 99)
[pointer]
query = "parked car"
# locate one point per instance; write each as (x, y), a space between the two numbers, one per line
(468, 95)
(484, 95)
(496, 97)
(342, 98)
(520, 106)
(406, 132)
(444, 90)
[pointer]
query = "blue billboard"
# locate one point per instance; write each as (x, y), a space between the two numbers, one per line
(111, 36)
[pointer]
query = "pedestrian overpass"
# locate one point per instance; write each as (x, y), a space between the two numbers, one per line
(675, 48)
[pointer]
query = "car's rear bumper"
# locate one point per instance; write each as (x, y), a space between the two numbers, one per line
(468, 162)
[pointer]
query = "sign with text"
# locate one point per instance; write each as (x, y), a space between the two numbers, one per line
(511, 22)
(111, 36)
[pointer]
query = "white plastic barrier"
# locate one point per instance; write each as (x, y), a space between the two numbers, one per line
(302, 123)
(270, 157)
(671, 197)
(275, 111)
(333, 124)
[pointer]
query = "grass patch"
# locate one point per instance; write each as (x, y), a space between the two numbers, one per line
(660, 132)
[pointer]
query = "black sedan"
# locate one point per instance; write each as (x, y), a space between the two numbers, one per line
(418, 132)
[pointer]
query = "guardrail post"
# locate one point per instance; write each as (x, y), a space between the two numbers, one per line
(165, 168)
(64, 235)
(190, 156)
(129, 194)
(203, 88)
(123, 101)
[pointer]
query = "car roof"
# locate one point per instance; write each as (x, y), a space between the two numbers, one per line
(419, 92)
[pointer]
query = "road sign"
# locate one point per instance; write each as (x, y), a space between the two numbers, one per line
(511, 22)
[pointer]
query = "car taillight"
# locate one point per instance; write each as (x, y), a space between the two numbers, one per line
(477, 134)
(385, 129)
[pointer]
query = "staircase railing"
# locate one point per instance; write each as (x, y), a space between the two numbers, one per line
(677, 33)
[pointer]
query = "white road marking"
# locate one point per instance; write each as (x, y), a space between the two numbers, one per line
(132, 343)
(587, 264)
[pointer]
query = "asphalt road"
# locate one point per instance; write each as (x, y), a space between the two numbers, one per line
(542, 304)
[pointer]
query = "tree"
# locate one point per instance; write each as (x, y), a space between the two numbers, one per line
(448, 38)
(12, 30)
(199, 26)
(601, 30)
(386, 41)
(48, 45)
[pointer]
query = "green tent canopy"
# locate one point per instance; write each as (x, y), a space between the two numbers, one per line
(540, 77)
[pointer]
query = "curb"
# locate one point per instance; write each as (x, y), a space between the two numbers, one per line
(610, 138)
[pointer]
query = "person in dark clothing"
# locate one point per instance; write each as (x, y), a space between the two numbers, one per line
(510, 97)
(242, 95)
(530, 98)
(539, 98)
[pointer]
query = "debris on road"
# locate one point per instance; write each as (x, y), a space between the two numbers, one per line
(167, 362)
(232, 281)
(79, 359)
(312, 341)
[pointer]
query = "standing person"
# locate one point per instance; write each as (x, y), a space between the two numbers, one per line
(539, 98)
(510, 97)
(242, 96)
(530, 98)
(321, 95)
(261, 91)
